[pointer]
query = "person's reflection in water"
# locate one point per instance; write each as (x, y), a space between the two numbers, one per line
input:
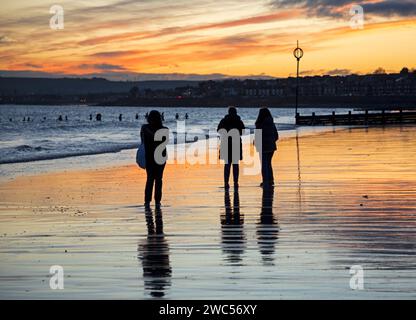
(154, 256)
(267, 228)
(232, 229)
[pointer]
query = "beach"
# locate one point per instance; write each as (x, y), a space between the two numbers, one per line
(343, 198)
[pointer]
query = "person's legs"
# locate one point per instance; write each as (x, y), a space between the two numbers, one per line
(149, 184)
(264, 166)
(269, 160)
(158, 183)
(227, 170)
(236, 173)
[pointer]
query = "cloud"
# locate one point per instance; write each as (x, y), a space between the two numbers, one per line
(236, 37)
(189, 52)
(102, 66)
(338, 72)
(32, 66)
(333, 72)
(340, 8)
(130, 76)
(30, 74)
(114, 37)
(259, 19)
(311, 72)
(392, 8)
(265, 18)
(6, 40)
(115, 54)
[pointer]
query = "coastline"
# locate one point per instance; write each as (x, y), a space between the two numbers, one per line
(120, 156)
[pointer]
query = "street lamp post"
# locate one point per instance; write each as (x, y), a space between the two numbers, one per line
(298, 53)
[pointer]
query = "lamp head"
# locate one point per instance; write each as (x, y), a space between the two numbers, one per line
(298, 53)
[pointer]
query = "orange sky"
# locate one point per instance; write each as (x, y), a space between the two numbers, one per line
(233, 37)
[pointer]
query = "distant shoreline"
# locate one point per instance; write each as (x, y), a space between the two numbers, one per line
(396, 90)
(272, 102)
(387, 102)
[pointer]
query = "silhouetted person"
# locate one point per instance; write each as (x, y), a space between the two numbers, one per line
(28, 119)
(186, 116)
(24, 119)
(137, 116)
(267, 227)
(154, 256)
(177, 116)
(10, 119)
(232, 230)
(269, 137)
(120, 117)
(60, 118)
(155, 157)
(98, 117)
(90, 117)
(231, 129)
(66, 118)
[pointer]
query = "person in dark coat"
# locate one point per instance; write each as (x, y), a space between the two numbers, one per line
(156, 156)
(266, 145)
(231, 129)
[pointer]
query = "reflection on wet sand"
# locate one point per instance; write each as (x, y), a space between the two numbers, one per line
(267, 228)
(232, 228)
(154, 256)
(299, 172)
(349, 200)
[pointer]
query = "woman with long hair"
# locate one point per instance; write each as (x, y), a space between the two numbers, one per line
(231, 128)
(155, 138)
(266, 145)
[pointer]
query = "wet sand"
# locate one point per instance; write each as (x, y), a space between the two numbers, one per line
(343, 198)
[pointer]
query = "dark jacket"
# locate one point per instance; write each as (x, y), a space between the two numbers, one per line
(269, 136)
(228, 123)
(147, 134)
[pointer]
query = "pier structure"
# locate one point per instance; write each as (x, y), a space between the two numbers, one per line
(382, 117)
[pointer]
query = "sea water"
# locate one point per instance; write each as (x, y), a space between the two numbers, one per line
(34, 140)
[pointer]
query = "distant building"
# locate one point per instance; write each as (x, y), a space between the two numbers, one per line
(403, 84)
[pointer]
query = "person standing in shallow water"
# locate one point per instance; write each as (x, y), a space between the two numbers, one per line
(155, 138)
(231, 129)
(266, 146)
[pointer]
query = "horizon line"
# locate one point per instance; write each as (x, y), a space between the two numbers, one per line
(191, 77)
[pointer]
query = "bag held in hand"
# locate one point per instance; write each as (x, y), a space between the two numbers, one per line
(141, 156)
